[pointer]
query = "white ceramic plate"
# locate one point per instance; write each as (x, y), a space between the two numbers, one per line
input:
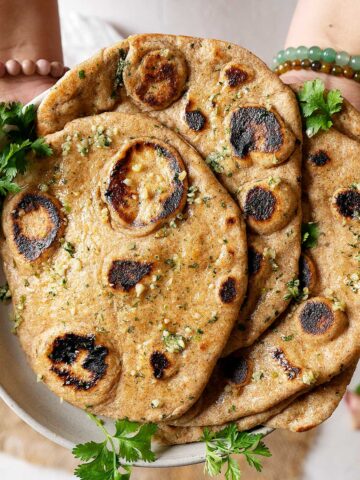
(61, 422)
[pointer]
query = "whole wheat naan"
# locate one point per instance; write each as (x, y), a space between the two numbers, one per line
(127, 264)
(240, 117)
(297, 414)
(319, 338)
(315, 407)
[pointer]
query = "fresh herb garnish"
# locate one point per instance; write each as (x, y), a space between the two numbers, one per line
(228, 441)
(310, 234)
(17, 139)
(103, 461)
(82, 74)
(357, 390)
(5, 293)
(317, 107)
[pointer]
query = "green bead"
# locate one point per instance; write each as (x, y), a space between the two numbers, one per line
(355, 62)
(274, 63)
(329, 55)
(281, 56)
(290, 53)
(314, 53)
(301, 52)
(342, 58)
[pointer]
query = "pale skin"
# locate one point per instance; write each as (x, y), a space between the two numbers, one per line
(31, 30)
(326, 23)
(34, 32)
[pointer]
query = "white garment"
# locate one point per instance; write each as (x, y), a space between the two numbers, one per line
(259, 25)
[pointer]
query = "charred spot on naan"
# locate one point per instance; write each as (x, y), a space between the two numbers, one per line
(80, 366)
(147, 186)
(319, 158)
(227, 290)
(319, 319)
(307, 272)
(255, 261)
(260, 134)
(159, 363)
(346, 203)
(260, 203)
(236, 369)
(268, 209)
(316, 317)
(65, 353)
(194, 118)
(291, 371)
(157, 79)
(37, 224)
(236, 74)
(125, 274)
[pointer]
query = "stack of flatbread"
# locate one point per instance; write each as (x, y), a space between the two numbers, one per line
(150, 259)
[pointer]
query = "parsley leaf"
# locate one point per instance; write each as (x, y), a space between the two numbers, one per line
(228, 441)
(357, 390)
(138, 446)
(310, 234)
(318, 107)
(17, 140)
(131, 442)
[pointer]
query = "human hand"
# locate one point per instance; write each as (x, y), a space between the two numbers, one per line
(22, 88)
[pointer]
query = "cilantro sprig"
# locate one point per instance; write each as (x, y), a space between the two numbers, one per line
(228, 441)
(17, 140)
(104, 461)
(317, 107)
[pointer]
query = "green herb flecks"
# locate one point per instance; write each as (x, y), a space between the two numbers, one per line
(220, 446)
(173, 342)
(5, 293)
(81, 74)
(17, 140)
(310, 234)
(122, 63)
(103, 461)
(69, 248)
(357, 390)
(295, 292)
(215, 159)
(317, 107)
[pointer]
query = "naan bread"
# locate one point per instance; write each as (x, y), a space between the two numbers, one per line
(240, 117)
(299, 414)
(315, 407)
(321, 336)
(126, 283)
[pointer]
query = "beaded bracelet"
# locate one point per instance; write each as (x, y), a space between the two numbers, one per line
(28, 67)
(314, 58)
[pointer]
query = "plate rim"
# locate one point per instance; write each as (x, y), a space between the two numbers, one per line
(60, 440)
